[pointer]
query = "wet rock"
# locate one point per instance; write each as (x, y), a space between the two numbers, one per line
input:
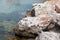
(21, 35)
(24, 33)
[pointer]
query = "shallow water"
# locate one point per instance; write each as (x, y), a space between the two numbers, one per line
(21, 6)
(2, 37)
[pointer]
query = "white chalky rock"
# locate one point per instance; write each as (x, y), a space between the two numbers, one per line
(58, 4)
(44, 8)
(40, 21)
(39, 9)
(57, 18)
(57, 7)
(44, 14)
(50, 7)
(48, 36)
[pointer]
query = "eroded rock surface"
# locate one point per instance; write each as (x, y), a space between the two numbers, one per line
(42, 22)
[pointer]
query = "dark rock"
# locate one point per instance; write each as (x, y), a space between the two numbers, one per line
(24, 33)
(30, 13)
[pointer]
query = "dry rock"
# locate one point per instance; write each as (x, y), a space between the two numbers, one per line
(57, 7)
(48, 36)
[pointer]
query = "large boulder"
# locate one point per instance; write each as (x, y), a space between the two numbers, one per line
(39, 21)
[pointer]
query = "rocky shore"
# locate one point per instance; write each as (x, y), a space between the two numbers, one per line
(40, 23)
